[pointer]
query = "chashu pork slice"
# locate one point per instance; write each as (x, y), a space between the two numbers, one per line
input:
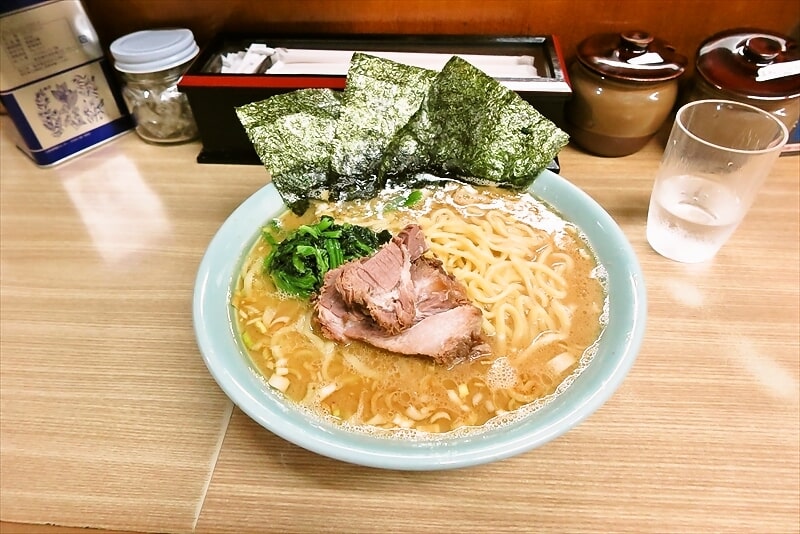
(381, 284)
(403, 302)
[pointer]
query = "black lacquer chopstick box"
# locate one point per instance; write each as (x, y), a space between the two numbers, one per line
(213, 93)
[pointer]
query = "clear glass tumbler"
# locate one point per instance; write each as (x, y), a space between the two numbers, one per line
(718, 154)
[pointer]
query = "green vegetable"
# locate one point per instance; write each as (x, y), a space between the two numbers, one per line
(298, 263)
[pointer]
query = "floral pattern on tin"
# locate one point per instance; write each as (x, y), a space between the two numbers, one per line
(70, 105)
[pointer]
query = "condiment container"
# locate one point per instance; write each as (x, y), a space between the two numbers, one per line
(151, 63)
(624, 87)
(751, 66)
(55, 81)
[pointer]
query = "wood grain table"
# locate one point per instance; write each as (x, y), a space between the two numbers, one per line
(110, 420)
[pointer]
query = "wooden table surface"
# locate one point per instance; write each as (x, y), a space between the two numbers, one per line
(110, 419)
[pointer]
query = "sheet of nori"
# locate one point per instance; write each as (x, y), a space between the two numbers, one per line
(379, 98)
(292, 135)
(472, 127)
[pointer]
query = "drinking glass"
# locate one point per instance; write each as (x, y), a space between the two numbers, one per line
(718, 154)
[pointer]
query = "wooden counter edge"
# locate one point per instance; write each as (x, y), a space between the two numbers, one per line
(7, 527)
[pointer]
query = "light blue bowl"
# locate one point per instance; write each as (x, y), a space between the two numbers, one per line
(229, 364)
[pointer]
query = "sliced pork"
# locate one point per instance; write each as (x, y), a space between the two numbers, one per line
(381, 283)
(401, 301)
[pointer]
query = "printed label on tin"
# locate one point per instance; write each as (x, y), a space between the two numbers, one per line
(67, 105)
(38, 42)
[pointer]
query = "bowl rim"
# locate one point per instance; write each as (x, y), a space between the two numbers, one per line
(230, 366)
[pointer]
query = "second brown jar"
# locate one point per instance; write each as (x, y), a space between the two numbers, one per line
(624, 87)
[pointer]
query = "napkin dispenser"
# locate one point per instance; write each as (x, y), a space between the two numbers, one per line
(214, 91)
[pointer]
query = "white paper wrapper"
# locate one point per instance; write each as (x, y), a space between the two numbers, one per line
(301, 61)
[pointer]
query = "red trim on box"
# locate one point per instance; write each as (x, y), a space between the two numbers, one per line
(560, 56)
(264, 81)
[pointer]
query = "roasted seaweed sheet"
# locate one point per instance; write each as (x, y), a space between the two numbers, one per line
(397, 122)
(472, 127)
(292, 134)
(379, 99)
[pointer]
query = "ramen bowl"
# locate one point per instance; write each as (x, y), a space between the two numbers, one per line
(230, 365)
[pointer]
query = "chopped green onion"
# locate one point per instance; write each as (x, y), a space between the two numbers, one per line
(407, 201)
(247, 340)
(413, 197)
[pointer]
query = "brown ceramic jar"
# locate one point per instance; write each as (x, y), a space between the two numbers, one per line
(737, 65)
(624, 87)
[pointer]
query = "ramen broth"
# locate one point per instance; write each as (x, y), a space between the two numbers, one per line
(535, 279)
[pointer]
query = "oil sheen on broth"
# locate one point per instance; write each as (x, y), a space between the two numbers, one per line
(540, 289)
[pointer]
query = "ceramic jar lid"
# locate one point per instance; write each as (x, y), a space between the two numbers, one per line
(751, 63)
(634, 56)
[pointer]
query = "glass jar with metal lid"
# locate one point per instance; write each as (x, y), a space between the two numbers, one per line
(752, 66)
(151, 63)
(624, 87)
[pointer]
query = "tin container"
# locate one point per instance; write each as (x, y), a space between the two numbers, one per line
(751, 66)
(624, 87)
(55, 82)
